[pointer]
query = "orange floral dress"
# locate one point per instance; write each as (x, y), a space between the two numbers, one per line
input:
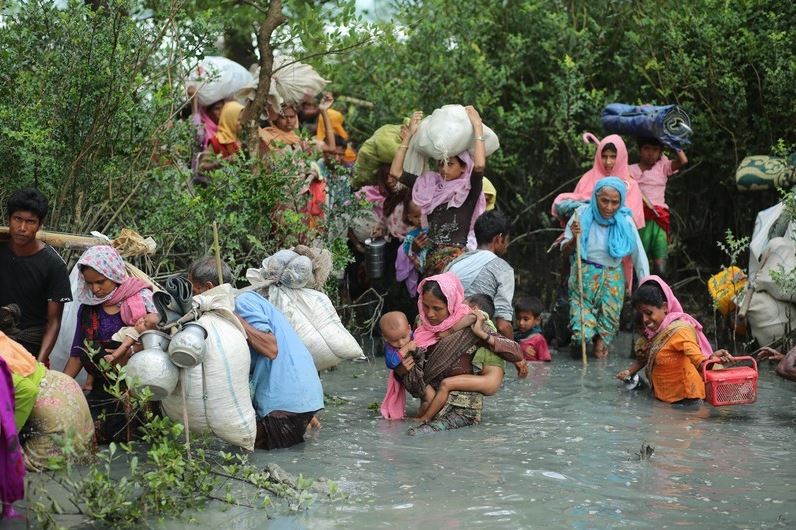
(673, 366)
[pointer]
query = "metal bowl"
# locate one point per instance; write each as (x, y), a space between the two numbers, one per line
(188, 347)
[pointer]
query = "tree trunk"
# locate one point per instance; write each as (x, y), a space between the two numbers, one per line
(251, 114)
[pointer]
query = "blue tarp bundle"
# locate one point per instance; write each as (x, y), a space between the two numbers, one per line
(668, 123)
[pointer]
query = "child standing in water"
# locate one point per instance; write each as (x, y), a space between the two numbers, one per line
(652, 173)
(528, 312)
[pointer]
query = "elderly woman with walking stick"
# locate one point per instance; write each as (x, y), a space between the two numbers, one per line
(609, 249)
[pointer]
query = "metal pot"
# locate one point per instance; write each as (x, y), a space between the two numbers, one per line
(151, 367)
(374, 257)
(155, 339)
(188, 347)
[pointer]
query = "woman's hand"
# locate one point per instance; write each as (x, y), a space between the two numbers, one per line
(723, 356)
(326, 102)
(475, 118)
(624, 374)
(522, 369)
(414, 122)
(408, 363)
(575, 227)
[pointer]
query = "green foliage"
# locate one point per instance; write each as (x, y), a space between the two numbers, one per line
(540, 72)
(159, 477)
(732, 246)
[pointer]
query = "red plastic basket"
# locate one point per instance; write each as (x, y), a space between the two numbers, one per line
(730, 386)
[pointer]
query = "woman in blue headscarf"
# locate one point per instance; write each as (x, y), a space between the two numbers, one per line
(608, 237)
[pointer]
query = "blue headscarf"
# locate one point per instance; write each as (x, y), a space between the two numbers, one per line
(621, 236)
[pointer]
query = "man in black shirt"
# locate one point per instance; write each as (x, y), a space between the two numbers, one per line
(32, 275)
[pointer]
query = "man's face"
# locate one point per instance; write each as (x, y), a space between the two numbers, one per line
(22, 227)
(502, 244)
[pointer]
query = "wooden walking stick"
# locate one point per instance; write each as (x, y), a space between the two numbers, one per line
(580, 293)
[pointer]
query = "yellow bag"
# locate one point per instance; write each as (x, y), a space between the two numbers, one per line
(724, 286)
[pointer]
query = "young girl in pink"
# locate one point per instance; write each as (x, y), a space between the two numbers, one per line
(610, 159)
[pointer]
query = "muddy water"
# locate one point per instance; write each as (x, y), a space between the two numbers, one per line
(554, 451)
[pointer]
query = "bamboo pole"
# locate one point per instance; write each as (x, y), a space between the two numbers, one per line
(61, 239)
(580, 295)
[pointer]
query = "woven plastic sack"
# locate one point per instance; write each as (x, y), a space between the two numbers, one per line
(446, 133)
(217, 391)
(768, 317)
(317, 323)
(780, 255)
(217, 78)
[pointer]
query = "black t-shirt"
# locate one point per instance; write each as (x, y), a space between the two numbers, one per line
(451, 226)
(32, 281)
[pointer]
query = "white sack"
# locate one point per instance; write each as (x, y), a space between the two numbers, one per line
(217, 78)
(223, 377)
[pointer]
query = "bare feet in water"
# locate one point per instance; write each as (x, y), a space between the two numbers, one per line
(600, 348)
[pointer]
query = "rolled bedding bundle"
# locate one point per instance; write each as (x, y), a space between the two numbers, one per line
(767, 173)
(668, 123)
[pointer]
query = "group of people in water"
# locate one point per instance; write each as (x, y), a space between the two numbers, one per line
(447, 243)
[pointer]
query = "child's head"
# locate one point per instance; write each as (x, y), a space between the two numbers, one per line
(435, 303)
(150, 321)
(649, 150)
(395, 329)
(608, 157)
(483, 302)
(528, 311)
(452, 168)
(413, 213)
(650, 301)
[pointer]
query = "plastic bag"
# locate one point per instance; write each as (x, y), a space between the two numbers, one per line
(446, 133)
(217, 78)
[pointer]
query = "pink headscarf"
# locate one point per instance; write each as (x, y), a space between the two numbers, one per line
(431, 190)
(585, 185)
(451, 287)
(133, 295)
(675, 312)
(373, 195)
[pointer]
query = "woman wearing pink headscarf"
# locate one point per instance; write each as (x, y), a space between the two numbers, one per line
(673, 348)
(110, 299)
(450, 199)
(610, 159)
(446, 346)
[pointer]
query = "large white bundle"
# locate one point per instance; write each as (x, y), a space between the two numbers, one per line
(446, 133)
(780, 255)
(769, 317)
(290, 83)
(217, 78)
(217, 391)
(317, 323)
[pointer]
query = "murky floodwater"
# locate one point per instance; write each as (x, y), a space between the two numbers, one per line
(553, 451)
